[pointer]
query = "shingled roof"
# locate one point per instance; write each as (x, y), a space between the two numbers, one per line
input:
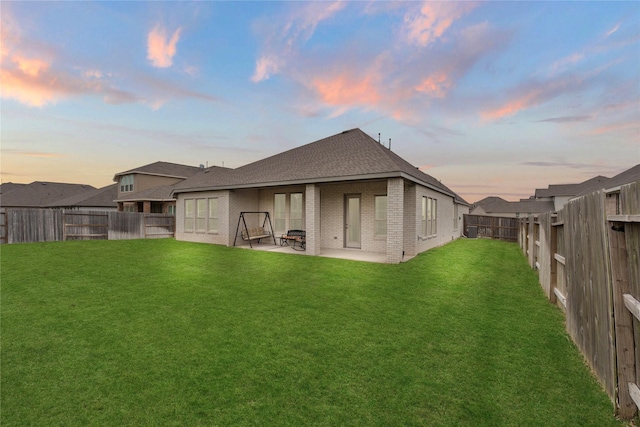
(497, 205)
(39, 194)
(162, 169)
(555, 190)
(625, 177)
(348, 156)
(96, 198)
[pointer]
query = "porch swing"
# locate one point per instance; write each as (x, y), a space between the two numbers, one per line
(248, 234)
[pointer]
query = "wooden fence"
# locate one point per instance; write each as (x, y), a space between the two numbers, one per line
(587, 258)
(502, 228)
(50, 225)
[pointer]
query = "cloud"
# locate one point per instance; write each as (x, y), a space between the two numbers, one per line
(36, 154)
(532, 93)
(282, 40)
(564, 164)
(566, 119)
(425, 25)
(612, 30)
(265, 67)
(161, 49)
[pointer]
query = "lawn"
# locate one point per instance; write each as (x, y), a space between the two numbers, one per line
(160, 332)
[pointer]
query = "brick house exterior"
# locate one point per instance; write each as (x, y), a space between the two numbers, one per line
(356, 194)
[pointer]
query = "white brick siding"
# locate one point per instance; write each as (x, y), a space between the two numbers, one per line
(323, 216)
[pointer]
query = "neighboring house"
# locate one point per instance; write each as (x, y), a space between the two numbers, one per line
(560, 194)
(346, 191)
(148, 188)
(552, 198)
(625, 177)
(100, 199)
(39, 194)
(497, 206)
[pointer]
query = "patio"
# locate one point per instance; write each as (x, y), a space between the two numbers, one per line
(350, 254)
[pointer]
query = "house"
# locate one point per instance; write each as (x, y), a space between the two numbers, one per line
(499, 207)
(628, 176)
(148, 188)
(346, 191)
(560, 194)
(39, 194)
(553, 198)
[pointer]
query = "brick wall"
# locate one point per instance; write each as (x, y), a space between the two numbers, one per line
(332, 211)
(223, 234)
(395, 220)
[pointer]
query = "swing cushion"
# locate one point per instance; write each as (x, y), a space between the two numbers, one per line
(255, 234)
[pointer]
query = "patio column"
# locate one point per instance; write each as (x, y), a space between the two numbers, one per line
(395, 220)
(312, 219)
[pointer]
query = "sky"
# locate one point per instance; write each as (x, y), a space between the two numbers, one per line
(492, 98)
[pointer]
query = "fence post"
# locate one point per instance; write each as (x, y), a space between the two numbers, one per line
(623, 320)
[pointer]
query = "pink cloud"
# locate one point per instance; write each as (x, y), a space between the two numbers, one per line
(435, 85)
(265, 67)
(512, 107)
(422, 27)
(161, 49)
(347, 89)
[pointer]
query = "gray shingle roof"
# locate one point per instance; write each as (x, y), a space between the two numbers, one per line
(570, 189)
(625, 177)
(97, 198)
(162, 169)
(499, 205)
(350, 155)
(40, 194)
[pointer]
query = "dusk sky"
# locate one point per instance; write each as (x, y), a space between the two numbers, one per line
(491, 98)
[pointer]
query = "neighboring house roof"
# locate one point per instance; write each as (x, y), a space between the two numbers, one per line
(350, 155)
(162, 169)
(8, 187)
(96, 198)
(556, 190)
(499, 205)
(40, 194)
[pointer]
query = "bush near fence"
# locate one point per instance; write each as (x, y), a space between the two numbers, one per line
(50, 225)
(587, 259)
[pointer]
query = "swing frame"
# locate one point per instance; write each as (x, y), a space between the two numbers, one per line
(258, 233)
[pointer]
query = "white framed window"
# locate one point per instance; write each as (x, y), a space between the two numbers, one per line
(279, 213)
(213, 216)
(189, 214)
(429, 217)
(455, 215)
(201, 214)
(171, 210)
(295, 211)
(424, 217)
(380, 216)
(126, 183)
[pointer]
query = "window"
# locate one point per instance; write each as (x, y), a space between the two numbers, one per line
(201, 217)
(171, 210)
(434, 217)
(455, 215)
(126, 183)
(424, 217)
(380, 216)
(295, 215)
(279, 213)
(189, 214)
(213, 216)
(429, 217)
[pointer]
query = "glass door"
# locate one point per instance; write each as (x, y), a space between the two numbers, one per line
(352, 221)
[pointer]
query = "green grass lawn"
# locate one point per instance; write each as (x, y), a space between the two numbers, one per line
(159, 332)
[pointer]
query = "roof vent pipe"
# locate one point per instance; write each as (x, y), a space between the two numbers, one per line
(378, 137)
(389, 144)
